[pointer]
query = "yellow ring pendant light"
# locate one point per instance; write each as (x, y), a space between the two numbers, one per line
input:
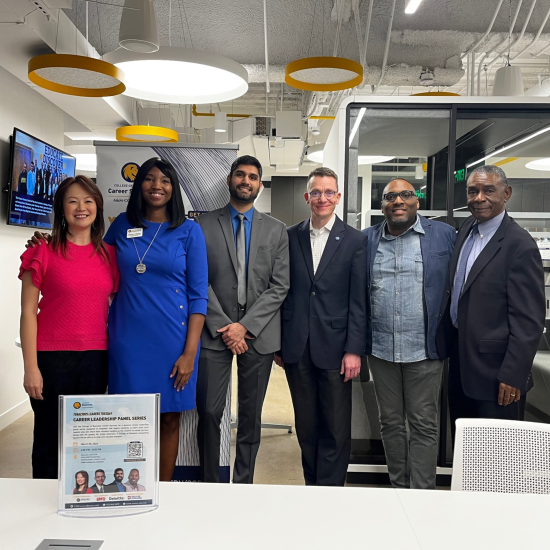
(76, 75)
(146, 133)
(436, 94)
(324, 74)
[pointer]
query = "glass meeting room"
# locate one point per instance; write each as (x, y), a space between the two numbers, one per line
(435, 147)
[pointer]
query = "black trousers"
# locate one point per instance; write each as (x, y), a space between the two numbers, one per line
(462, 406)
(253, 371)
(63, 373)
(322, 412)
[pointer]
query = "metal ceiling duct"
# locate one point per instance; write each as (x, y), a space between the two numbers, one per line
(138, 27)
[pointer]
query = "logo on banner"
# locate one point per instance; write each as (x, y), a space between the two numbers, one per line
(77, 405)
(129, 172)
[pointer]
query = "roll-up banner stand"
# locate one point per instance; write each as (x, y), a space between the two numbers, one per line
(202, 172)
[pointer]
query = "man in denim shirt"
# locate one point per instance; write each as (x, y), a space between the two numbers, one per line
(408, 262)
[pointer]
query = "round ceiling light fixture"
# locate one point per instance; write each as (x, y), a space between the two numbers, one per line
(508, 82)
(146, 133)
(324, 74)
(138, 27)
(436, 94)
(368, 159)
(76, 75)
(541, 164)
(180, 75)
(315, 154)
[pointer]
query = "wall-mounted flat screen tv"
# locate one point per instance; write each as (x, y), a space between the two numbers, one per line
(37, 169)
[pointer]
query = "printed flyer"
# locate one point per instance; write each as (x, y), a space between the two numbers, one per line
(109, 453)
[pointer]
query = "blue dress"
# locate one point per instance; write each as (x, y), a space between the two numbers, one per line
(149, 315)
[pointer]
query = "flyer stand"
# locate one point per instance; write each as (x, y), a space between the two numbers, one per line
(108, 454)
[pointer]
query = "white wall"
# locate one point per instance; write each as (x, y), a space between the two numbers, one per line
(20, 107)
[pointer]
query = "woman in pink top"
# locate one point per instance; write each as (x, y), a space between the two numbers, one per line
(65, 344)
(81, 483)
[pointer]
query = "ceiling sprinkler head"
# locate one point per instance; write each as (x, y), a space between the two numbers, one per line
(426, 78)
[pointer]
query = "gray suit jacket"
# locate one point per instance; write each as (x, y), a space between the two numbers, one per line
(268, 279)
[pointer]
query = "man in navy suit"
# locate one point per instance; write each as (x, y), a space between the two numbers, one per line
(324, 327)
(408, 265)
(493, 311)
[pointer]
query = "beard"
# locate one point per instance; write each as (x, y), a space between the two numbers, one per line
(243, 196)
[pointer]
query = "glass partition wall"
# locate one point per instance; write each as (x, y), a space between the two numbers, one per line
(436, 148)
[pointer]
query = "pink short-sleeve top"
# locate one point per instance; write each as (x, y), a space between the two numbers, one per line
(75, 294)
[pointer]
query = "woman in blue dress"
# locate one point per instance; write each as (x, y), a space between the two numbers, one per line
(156, 319)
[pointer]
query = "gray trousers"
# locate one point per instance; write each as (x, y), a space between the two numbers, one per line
(253, 370)
(408, 393)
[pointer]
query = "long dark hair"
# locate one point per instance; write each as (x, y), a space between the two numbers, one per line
(60, 228)
(135, 211)
(84, 474)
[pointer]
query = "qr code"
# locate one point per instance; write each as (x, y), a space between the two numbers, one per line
(135, 449)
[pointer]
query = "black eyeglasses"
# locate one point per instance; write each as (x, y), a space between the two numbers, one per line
(405, 195)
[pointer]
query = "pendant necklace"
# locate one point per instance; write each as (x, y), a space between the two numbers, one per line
(141, 268)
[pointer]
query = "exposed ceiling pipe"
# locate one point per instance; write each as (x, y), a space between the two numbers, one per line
(542, 52)
(358, 29)
(337, 40)
(387, 48)
(266, 55)
(468, 61)
(506, 39)
(536, 39)
(523, 29)
(480, 41)
(367, 31)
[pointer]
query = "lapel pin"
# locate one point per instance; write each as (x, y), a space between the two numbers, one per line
(337, 238)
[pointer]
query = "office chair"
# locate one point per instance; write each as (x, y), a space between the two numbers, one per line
(503, 456)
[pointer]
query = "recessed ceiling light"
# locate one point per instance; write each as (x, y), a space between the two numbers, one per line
(180, 75)
(315, 154)
(541, 164)
(368, 159)
(412, 6)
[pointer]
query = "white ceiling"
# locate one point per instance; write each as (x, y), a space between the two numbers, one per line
(437, 36)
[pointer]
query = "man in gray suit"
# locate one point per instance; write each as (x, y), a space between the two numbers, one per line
(248, 277)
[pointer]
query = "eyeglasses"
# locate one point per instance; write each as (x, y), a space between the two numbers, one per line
(328, 194)
(405, 195)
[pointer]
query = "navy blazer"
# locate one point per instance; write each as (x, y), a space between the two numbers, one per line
(501, 312)
(436, 246)
(328, 308)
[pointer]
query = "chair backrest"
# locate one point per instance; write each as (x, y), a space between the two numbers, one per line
(502, 456)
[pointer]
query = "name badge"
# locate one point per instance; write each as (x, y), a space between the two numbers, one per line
(136, 232)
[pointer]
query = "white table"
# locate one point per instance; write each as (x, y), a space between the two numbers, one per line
(199, 516)
(208, 516)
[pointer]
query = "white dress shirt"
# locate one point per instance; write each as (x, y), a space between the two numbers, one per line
(319, 238)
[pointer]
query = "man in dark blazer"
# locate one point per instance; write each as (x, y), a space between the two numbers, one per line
(117, 485)
(99, 485)
(248, 281)
(324, 327)
(493, 310)
(408, 266)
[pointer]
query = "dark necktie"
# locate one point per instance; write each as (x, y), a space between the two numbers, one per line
(461, 273)
(101, 489)
(241, 261)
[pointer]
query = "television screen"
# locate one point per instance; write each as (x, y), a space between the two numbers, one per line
(37, 169)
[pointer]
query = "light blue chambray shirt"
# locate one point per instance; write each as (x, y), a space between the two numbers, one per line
(397, 298)
(481, 239)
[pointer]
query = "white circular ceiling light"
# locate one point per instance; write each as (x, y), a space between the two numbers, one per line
(368, 159)
(180, 75)
(315, 154)
(541, 164)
